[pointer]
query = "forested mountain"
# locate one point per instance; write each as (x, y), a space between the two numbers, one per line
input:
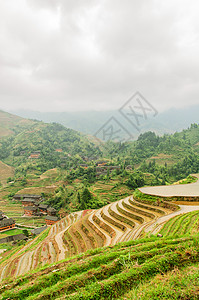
(90, 121)
(52, 145)
(47, 145)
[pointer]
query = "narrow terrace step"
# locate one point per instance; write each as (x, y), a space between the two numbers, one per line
(113, 211)
(118, 232)
(101, 233)
(103, 224)
(84, 236)
(89, 233)
(99, 222)
(132, 208)
(99, 240)
(125, 212)
(161, 211)
(76, 236)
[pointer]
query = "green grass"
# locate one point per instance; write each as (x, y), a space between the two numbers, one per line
(189, 179)
(185, 224)
(39, 239)
(176, 284)
(106, 273)
(30, 221)
(10, 232)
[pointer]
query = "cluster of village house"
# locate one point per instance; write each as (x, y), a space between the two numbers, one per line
(36, 154)
(33, 206)
(8, 223)
(101, 168)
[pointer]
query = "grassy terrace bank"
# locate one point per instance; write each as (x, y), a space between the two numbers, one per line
(110, 272)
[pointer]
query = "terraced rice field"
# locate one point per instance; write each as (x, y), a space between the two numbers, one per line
(122, 221)
(186, 224)
(108, 273)
(48, 247)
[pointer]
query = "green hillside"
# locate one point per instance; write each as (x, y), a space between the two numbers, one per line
(61, 165)
(49, 144)
(35, 147)
(169, 157)
(119, 272)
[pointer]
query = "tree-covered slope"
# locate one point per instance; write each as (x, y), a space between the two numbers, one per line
(47, 145)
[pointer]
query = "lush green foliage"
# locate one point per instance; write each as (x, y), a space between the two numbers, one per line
(105, 273)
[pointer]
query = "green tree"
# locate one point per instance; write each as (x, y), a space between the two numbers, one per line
(85, 199)
(25, 232)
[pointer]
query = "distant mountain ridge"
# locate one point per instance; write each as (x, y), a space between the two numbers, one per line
(89, 122)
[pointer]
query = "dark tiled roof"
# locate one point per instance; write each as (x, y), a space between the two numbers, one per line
(20, 237)
(51, 218)
(30, 208)
(38, 230)
(52, 209)
(6, 222)
(28, 200)
(43, 206)
(12, 238)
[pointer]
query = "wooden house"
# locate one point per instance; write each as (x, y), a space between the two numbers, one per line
(43, 208)
(30, 211)
(28, 202)
(34, 156)
(85, 166)
(59, 150)
(101, 163)
(50, 220)
(7, 224)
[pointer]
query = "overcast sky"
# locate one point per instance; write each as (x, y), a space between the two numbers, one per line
(62, 55)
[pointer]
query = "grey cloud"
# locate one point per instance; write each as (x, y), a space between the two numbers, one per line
(77, 55)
